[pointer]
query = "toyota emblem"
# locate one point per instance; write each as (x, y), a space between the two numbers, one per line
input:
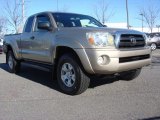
(133, 41)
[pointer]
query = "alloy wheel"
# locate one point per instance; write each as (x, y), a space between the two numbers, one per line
(68, 74)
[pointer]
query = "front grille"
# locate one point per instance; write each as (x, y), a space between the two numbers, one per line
(133, 58)
(131, 41)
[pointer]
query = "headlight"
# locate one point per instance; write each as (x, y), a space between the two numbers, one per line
(100, 39)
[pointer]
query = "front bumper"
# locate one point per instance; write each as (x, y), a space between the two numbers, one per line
(119, 60)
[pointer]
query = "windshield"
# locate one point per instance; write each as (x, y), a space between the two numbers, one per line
(75, 20)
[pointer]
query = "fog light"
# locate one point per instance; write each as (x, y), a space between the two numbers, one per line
(100, 60)
(103, 60)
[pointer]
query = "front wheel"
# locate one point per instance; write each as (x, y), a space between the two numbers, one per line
(13, 64)
(71, 78)
(130, 75)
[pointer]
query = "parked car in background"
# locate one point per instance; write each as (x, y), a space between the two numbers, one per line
(1, 45)
(1, 42)
(1, 50)
(153, 40)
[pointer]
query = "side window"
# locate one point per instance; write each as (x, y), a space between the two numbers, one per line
(41, 18)
(28, 26)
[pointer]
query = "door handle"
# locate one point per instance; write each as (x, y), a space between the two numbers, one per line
(32, 38)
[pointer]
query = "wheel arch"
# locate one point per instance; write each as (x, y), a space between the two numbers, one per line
(81, 57)
(8, 48)
(61, 50)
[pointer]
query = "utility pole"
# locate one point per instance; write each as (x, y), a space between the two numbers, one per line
(127, 14)
(57, 6)
(142, 21)
(0, 29)
(23, 12)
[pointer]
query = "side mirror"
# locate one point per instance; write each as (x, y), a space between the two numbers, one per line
(44, 26)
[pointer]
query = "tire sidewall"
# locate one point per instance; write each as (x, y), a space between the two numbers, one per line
(12, 70)
(68, 59)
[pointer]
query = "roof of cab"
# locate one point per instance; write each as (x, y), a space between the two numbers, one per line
(51, 12)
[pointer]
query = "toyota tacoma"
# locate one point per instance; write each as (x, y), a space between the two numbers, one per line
(75, 47)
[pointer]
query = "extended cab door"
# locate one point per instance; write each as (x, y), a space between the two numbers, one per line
(26, 39)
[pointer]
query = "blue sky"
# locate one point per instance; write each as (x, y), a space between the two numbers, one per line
(87, 6)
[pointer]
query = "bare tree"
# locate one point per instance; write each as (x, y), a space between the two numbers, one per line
(13, 11)
(151, 15)
(2, 26)
(102, 12)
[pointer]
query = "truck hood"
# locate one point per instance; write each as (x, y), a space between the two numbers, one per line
(100, 29)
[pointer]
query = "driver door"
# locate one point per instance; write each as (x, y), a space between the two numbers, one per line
(41, 41)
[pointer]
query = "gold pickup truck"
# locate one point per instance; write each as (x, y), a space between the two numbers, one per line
(75, 47)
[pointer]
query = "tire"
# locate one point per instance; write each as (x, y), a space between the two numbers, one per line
(71, 79)
(153, 46)
(130, 75)
(13, 64)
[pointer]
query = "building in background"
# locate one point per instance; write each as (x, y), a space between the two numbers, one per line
(124, 25)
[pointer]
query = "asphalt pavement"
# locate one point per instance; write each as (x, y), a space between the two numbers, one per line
(33, 95)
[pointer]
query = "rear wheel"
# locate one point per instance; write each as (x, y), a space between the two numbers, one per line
(153, 46)
(130, 75)
(72, 80)
(13, 64)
